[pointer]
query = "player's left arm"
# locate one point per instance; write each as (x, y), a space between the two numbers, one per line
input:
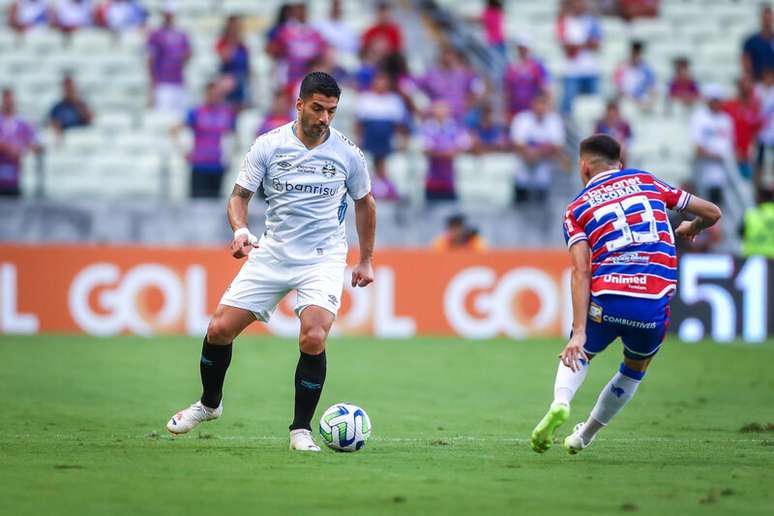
(707, 215)
(580, 257)
(365, 220)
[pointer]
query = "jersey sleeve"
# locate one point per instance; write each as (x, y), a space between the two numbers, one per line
(254, 166)
(674, 198)
(573, 231)
(358, 181)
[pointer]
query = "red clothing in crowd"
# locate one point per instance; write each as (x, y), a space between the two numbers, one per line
(747, 122)
(390, 32)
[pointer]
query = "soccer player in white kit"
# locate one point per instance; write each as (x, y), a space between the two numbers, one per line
(307, 169)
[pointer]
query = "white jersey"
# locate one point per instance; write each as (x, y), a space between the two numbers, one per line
(306, 191)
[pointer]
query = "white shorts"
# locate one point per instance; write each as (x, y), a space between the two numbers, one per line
(263, 281)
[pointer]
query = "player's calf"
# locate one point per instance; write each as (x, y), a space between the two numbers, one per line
(566, 385)
(614, 396)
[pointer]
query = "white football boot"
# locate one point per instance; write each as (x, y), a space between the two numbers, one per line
(185, 420)
(301, 440)
(574, 442)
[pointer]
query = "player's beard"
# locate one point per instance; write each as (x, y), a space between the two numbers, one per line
(312, 130)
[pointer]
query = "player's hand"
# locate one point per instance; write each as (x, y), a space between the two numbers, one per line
(687, 231)
(363, 274)
(242, 245)
(573, 352)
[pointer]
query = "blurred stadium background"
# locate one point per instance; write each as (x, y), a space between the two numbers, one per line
(470, 113)
(122, 127)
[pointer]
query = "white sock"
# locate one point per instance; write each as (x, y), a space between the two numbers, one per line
(568, 382)
(612, 399)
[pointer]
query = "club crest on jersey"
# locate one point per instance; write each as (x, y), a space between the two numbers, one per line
(329, 169)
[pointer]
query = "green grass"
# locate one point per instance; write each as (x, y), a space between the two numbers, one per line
(82, 431)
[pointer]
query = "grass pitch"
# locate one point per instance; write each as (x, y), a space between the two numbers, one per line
(82, 431)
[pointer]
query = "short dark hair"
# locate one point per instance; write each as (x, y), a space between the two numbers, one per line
(601, 146)
(319, 82)
(457, 219)
(638, 46)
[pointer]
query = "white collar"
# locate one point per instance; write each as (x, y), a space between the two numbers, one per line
(602, 175)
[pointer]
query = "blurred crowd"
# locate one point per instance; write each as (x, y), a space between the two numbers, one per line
(450, 107)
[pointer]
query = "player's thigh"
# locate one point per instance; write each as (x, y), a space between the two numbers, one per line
(227, 323)
(641, 344)
(599, 335)
(316, 323)
(320, 285)
(259, 286)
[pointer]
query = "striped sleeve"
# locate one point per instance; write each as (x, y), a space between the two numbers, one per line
(674, 198)
(573, 231)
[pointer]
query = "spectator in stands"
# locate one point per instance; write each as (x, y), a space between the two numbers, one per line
(580, 35)
(395, 66)
(683, 87)
(25, 14)
(234, 62)
(524, 79)
(487, 133)
(492, 19)
(284, 13)
(538, 135)
(634, 78)
(121, 15)
(337, 31)
(71, 15)
(454, 82)
(745, 112)
(371, 61)
(613, 124)
(712, 132)
(327, 62)
(443, 138)
(758, 49)
(631, 9)
(71, 111)
(168, 52)
(210, 123)
(458, 237)
(764, 92)
(17, 137)
(384, 30)
(295, 46)
(278, 115)
(381, 115)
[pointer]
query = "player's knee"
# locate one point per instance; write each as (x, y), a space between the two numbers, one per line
(637, 365)
(219, 333)
(312, 340)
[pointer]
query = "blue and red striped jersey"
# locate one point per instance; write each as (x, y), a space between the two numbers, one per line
(623, 216)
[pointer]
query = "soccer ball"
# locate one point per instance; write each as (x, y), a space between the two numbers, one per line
(345, 427)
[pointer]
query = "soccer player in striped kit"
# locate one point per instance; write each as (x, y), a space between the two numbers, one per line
(624, 272)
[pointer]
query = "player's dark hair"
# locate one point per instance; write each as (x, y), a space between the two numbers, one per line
(601, 146)
(319, 82)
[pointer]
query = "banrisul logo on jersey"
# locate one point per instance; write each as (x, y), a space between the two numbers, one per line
(286, 186)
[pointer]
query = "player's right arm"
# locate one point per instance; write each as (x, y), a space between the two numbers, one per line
(580, 258)
(243, 240)
(707, 214)
(250, 177)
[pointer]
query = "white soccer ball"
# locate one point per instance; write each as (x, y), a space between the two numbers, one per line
(345, 427)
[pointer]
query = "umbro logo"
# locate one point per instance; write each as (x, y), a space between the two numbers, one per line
(333, 299)
(618, 391)
(284, 165)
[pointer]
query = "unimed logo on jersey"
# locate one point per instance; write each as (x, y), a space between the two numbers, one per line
(285, 186)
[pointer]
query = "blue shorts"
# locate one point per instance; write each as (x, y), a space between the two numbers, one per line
(641, 324)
